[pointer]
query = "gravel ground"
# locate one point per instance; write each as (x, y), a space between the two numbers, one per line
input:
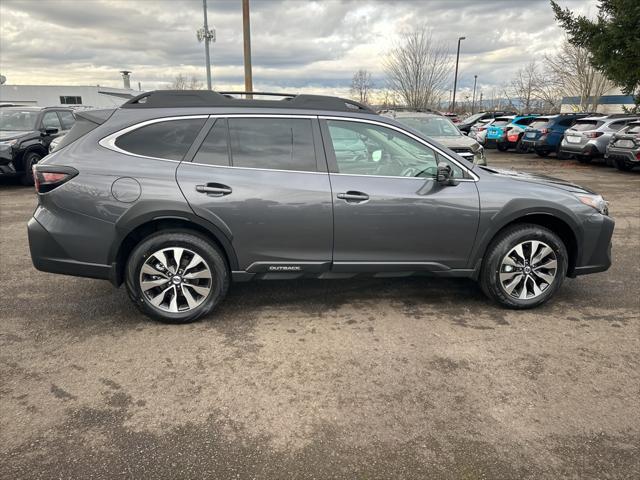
(396, 378)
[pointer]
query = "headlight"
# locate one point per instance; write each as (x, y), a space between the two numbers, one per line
(9, 143)
(595, 201)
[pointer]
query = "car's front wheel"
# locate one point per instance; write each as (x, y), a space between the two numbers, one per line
(176, 277)
(524, 267)
(503, 147)
(622, 165)
(30, 159)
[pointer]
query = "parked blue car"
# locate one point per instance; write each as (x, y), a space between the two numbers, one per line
(507, 131)
(544, 134)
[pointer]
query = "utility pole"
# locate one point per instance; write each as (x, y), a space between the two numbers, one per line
(246, 30)
(205, 35)
(473, 105)
(455, 78)
(481, 100)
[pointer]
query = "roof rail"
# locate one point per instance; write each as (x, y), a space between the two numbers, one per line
(208, 98)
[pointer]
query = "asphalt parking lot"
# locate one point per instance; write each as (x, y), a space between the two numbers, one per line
(396, 378)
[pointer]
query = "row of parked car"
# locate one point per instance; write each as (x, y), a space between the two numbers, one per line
(585, 136)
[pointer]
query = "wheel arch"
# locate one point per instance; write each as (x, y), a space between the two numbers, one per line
(140, 230)
(559, 224)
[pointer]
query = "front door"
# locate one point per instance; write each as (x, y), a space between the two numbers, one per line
(258, 180)
(389, 212)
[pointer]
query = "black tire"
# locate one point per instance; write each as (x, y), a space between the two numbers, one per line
(622, 165)
(584, 158)
(520, 148)
(542, 153)
(29, 160)
(562, 155)
(211, 255)
(499, 248)
(503, 147)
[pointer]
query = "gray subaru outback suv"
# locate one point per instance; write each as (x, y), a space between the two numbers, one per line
(176, 194)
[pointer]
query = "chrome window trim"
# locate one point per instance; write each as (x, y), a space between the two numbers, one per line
(254, 168)
(109, 141)
(474, 177)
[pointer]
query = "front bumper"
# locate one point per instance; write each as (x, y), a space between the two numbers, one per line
(596, 250)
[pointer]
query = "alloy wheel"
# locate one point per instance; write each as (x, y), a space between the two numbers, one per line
(528, 270)
(175, 279)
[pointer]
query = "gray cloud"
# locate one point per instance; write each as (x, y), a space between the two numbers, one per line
(296, 44)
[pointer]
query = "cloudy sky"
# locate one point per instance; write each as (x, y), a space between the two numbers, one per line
(297, 45)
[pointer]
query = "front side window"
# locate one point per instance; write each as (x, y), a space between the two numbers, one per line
(51, 120)
(367, 149)
(272, 143)
(168, 139)
(67, 119)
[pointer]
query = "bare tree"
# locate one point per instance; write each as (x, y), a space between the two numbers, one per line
(419, 68)
(181, 82)
(361, 85)
(572, 70)
(524, 86)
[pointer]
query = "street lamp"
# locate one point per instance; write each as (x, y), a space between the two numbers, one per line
(473, 105)
(455, 78)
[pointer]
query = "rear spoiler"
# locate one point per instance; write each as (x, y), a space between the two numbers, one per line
(95, 116)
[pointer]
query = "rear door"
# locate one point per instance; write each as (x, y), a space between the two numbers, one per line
(389, 212)
(262, 180)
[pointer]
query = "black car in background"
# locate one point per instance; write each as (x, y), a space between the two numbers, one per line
(465, 125)
(25, 135)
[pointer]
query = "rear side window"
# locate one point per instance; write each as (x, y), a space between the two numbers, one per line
(169, 139)
(215, 148)
(524, 121)
(272, 143)
(633, 128)
(500, 122)
(567, 122)
(584, 125)
(617, 125)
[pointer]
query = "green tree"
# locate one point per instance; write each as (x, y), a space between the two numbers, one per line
(612, 39)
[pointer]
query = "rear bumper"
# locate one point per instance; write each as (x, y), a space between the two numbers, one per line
(596, 255)
(623, 154)
(588, 149)
(48, 256)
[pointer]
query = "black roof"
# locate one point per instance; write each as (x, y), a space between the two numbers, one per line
(208, 98)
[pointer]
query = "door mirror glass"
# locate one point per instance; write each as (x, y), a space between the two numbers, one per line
(444, 174)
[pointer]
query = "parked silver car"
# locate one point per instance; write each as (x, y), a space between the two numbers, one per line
(442, 130)
(589, 137)
(478, 130)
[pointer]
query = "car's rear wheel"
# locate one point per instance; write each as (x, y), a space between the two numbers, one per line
(503, 147)
(524, 267)
(584, 158)
(176, 277)
(542, 153)
(622, 165)
(30, 159)
(562, 155)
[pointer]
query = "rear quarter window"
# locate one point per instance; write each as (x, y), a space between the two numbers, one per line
(540, 123)
(168, 139)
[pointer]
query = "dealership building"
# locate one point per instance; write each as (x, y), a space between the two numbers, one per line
(613, 101)
(71, 95)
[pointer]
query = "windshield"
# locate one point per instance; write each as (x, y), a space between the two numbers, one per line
(472, 118)
(432, 126)
(20, 120)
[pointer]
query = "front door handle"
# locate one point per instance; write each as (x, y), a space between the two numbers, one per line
(353, 197)
(214, 189)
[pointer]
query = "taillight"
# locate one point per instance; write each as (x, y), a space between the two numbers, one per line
(638, 155)
(46, 178)
(482, 129)
(593, 134)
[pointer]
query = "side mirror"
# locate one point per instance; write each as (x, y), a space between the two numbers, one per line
(444, 174)
(376, 155)
(50, 131)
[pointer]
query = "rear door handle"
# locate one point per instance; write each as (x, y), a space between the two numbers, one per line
(214, 189)
(353, 197)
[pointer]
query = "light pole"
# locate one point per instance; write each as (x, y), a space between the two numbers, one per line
(473, 104)
(246, 31)
(205, 35)
(455, 78)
